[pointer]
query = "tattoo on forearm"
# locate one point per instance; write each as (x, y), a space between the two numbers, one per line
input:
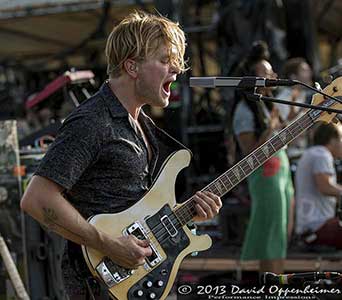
(51, 221)
(50, 218)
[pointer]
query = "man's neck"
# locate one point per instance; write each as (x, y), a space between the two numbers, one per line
(124, 90)
(329, 147)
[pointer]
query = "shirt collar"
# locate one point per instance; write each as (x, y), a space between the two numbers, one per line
(116, 108)
(114, 105)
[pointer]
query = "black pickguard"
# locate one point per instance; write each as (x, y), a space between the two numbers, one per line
(172, 247)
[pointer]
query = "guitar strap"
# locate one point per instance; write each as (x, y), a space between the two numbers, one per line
(166, 145)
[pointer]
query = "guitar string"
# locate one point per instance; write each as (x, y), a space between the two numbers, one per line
(191, 206)
(308, 122)
(191, 202)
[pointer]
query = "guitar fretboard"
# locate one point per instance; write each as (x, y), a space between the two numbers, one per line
(224, 183)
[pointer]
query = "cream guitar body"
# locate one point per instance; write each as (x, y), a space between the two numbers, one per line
(171, 240)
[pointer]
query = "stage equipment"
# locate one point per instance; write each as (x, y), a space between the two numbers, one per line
(64, 83)
(10, 214)
(248, 82)
(12, 271)
(239, 82)
(298, 278)
(43, 248)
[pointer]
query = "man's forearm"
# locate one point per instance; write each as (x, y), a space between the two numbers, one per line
(77, 229)
(332, 190)
(44, 202)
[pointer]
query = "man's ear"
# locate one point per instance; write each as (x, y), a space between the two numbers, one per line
(131, 67)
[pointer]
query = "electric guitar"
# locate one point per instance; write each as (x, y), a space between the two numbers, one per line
(158, 219)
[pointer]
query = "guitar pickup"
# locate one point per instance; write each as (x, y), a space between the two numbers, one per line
(138, 231)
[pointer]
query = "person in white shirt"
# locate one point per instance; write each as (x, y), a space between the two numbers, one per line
(317, 189)
(295, 69)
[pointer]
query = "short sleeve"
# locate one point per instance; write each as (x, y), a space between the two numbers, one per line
(75, 148)
(323, 163)
(243, 120)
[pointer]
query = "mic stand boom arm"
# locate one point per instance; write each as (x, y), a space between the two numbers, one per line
(259, 97)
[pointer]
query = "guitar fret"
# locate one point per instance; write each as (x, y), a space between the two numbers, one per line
(237, 173)
(283, 137)
(242, 169)
(311, 117)
(231, 183)
(250, 162)
(218, 188)
(278, 139)
(186, 211)
(274, 149)
(227, 184)
(222, 186)
(265, 150)
(214, 190)
(256, 158)
(234, 178)
(247, 168)
(260, 154)
(300, 124)
(291, 133)
(179, 215)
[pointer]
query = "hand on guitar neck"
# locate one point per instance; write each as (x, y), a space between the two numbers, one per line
(207, 205)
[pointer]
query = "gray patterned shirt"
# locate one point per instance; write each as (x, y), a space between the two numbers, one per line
(100, 158)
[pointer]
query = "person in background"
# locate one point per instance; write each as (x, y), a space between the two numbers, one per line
(106, 153)
(317, 189)
(295, 69)
(270, 186)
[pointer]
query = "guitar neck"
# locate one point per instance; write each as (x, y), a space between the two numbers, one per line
(224, 183)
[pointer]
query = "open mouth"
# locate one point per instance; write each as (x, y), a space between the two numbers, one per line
(167, 87)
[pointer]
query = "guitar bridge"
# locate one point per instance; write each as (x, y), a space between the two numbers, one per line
(138, 231)
(111, 273)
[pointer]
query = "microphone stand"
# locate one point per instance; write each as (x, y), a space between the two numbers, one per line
(259, 97)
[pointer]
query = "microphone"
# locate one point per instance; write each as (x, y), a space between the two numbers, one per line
(239, 82)
(297, 278)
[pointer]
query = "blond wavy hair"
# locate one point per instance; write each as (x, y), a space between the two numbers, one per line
(138, 36)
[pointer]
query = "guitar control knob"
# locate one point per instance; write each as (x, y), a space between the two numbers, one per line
(152, 296)
(148, 283)
(159, 283)
(139, 293)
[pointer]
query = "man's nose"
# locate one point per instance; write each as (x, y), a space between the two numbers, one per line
(174, 69)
